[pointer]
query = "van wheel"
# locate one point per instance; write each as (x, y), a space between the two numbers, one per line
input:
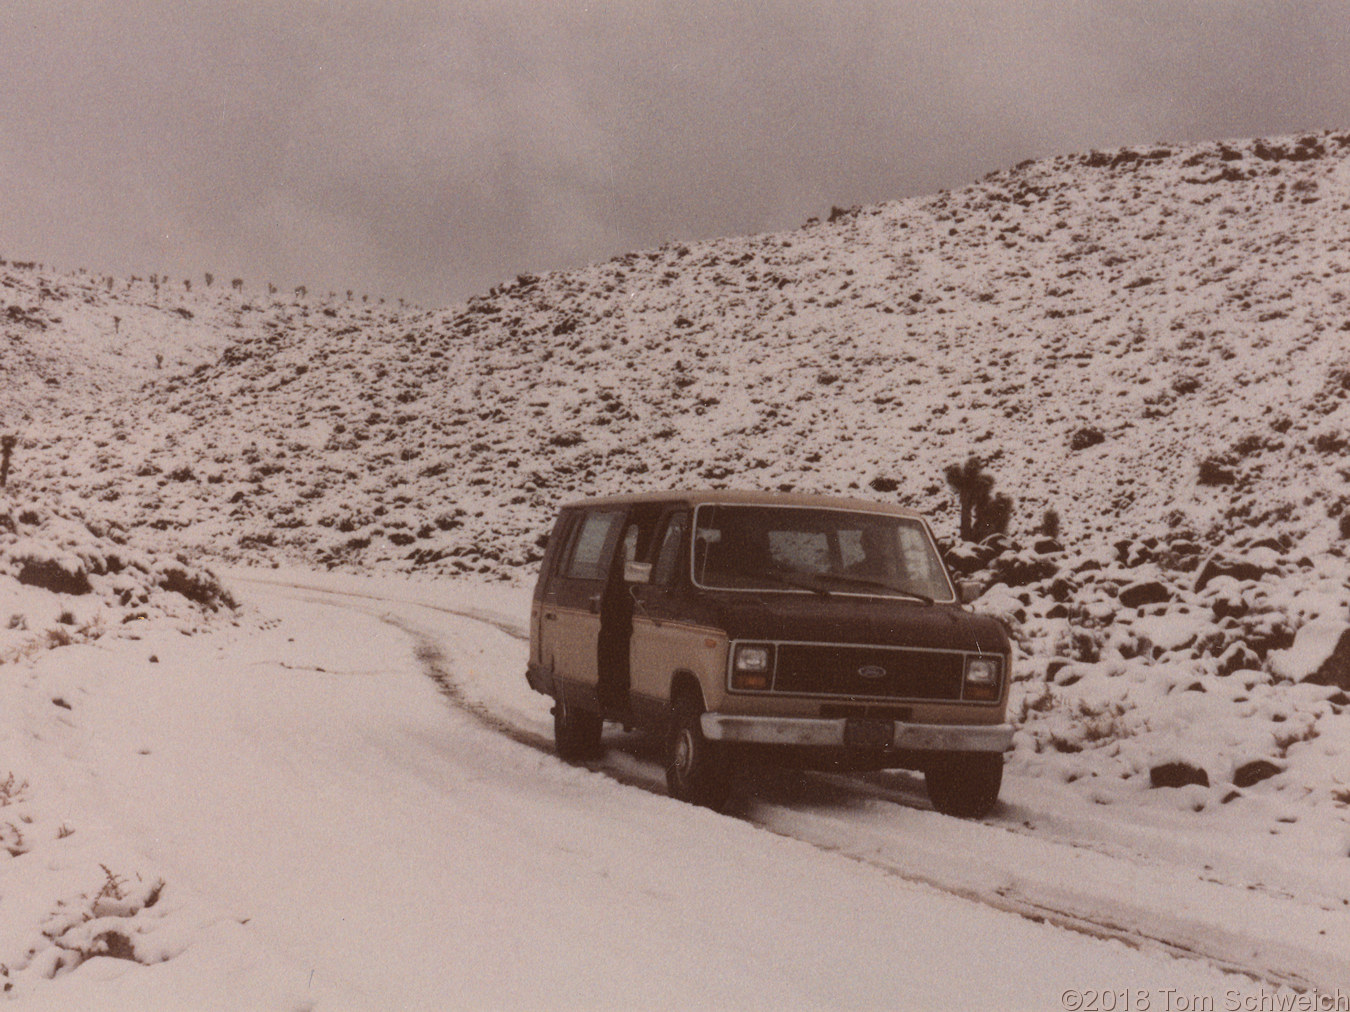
(965, 784)
(696, 768)
(576, 732)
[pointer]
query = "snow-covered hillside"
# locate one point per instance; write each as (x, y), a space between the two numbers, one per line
(1096, 327)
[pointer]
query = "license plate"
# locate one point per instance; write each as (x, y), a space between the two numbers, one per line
(868, 733)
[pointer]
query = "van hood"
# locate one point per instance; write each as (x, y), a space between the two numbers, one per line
(891, 622)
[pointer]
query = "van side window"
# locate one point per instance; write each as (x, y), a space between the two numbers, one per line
(588, 559)
(668, 561)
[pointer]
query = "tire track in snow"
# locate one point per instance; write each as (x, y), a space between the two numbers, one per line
(1230, 952)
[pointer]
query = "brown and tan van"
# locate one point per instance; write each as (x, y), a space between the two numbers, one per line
(810, 631)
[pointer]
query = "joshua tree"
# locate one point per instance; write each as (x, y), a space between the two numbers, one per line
(1050, 523)
(982, 512)
(7, 444)
(209, 277)
(237, 284)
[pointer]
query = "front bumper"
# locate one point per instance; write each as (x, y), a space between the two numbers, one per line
(827, 732)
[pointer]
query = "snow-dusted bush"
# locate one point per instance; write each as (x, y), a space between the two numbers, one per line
(62, 578)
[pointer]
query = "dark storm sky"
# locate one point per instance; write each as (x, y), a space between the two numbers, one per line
(429, 150)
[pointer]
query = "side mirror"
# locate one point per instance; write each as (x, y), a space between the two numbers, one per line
(637, 572)
(970, 590)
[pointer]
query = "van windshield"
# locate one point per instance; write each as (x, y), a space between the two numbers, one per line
(808, 549)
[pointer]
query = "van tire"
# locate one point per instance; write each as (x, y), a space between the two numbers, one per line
(576, 732)
(965, 784)
(696, 768)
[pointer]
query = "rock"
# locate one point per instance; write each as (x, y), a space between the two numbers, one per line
(999, 543)
(1182, 555)
(1320, 654)
(1021, 569)
(1055, 666)
(1123, 549)
(1136, 595)
(1062, 589)
(1231, 602)
(1253, 565)
(1254, 772)
(1267, 632)
(1047, 546)
(965, 557)
(1177, 774)
(1238, 657)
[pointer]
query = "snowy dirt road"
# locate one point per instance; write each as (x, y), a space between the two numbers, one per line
(1138, 884)
(338, 830)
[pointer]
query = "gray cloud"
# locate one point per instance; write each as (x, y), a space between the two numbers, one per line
(428, 150)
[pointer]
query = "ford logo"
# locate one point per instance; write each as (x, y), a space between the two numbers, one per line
(872, 671)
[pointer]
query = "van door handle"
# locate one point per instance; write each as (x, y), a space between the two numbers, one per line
(640, 604)
(552, 616)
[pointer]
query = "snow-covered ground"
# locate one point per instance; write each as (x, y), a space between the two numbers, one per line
(287, 812)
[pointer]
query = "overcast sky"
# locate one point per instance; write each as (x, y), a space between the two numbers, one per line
(430, 150)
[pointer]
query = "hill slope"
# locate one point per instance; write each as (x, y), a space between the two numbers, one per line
(1094, 327)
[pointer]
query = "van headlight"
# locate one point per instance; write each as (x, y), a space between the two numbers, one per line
(752, 666)
(984, 679)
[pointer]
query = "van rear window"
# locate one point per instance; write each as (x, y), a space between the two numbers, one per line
(589, 558)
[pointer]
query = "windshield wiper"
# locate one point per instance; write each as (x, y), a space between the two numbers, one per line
(858, 581)
(790, 581)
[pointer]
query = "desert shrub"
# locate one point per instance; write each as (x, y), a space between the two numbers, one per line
(1332, 442)
(883, 483)
(61, 573)
(1086, 437)
(12, 790)
(198, 586)
(1216, 471)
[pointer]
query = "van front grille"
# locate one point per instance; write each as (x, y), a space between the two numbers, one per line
(868, 672)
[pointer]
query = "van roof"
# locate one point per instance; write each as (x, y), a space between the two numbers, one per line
(744, 497)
